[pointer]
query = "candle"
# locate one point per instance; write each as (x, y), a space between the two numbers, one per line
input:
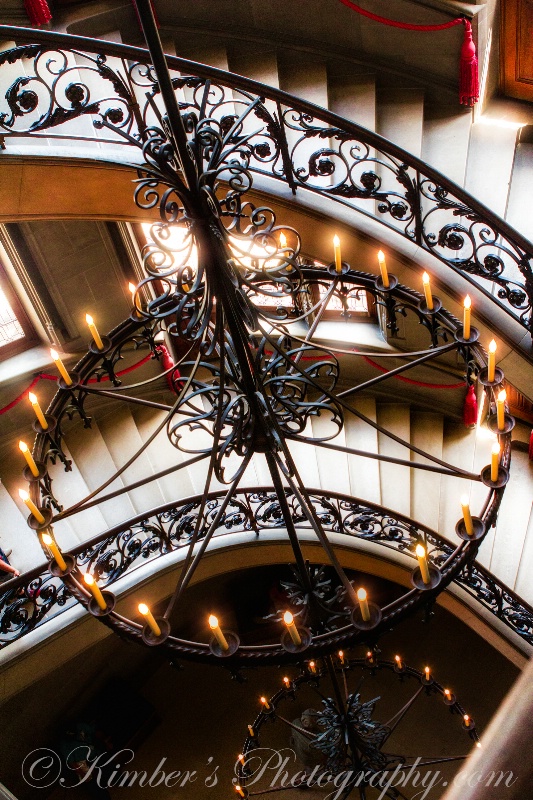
(287, 682)
(500, 409)
(466, 317)
(341, 657)
(54, 549)
(94, 332)
(467, 517)
(383, 269)
(427, 673)
(240, 759)
(363, 604)
(466, 720)
(288, 619)
(147, 614)
(95, 590)
(132, 289)
(427, 291)
(251, 731)
(282, 240)
(492, 361)
(24, 496)
(23, 447)
(38, 411)
(265, 703)
(337, 251)
(495, 461)
(61, 368)
(312, 667)
(370, 656)
(398, 660)
(422, 563)
(217, 633)
(240, 791)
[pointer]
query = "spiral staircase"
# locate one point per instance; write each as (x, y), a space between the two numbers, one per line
(482, 152)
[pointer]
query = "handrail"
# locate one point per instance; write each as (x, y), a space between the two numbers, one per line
(422, 205)
(32, 599)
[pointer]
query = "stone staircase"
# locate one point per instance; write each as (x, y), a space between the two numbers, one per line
(428, 498)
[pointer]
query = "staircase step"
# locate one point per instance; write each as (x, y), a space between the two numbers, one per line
(513, 520)
(400, 117)
(259, 65)
(306, 459)
(123, 442)
(489, 165)
(445, 140)
(354, 97)
(302, 77)
(427, 432)
(162, 455)
(332, 465)
(459, 451)
(364, 472)
(394, 479)
(96, 465)
(518, 210)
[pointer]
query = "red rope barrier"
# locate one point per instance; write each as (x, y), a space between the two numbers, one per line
(468, 76)
(43, 376)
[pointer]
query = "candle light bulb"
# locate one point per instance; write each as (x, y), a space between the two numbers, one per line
(398, 660)
(37, 410)
(467, 517)
(89, 320)
(492, 346)
(47, 539)
(88, 578)
(361, 594)
(24, 447)
(61, 367)
(466, 316)
(448, 694)
(288, 618)
(52, 546)
(466, 719)
(502, 396)
(132, 288)
(265, 703)
(337, 252)
(428, 673)
(427, 291)
(239, 791)
(286, 681)
(467, 302)
(23, 494)
(150, 619)
(425, 279)
(213, 622)
(240, 758)
(420, 551)
(282, 240)
(341, 656)
(491, 366)
(336, 241)
(381, 256)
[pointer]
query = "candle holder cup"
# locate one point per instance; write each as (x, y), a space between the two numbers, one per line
(56, 570)
(474, 336)
(51, 421)
(422, 306)
(30, 477)
(483, 377)
(332, 269)
(74, 377)
(400, 670)
(149, 637)
(449, 701)
(393, 283)
(367, 625)
(478, 527)
(435, 578)
(288, 644)
(470, 725)
(492, 424)
(106, 341)
(95, 609)
(34, 523)
(233, 645)
(503, 477)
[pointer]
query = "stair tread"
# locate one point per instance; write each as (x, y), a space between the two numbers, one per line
(364, 472)
(445, 141)
(400, 117)
(395, 480)
(427, 433)
(354, 97)
(489, 164)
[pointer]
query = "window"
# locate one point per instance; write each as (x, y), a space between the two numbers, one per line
(16, 331)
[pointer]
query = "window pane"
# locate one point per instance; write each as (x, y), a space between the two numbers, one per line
(10, 327)
(356, 301)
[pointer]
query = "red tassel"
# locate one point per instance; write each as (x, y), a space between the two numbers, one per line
(167, 362)
(468, 76)
(531, 446)
(470, 407)
(38, 12)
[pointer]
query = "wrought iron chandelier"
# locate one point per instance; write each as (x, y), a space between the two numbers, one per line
(228, 286)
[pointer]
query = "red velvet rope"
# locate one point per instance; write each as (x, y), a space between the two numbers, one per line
(43, 376)
(404, 25)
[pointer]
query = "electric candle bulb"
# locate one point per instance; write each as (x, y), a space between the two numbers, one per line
(370, 656)
(24, 449)
(94, 332)
(95, 590)
(466, 719)
(251, 731)
(150, 620)
(240, 758)
(448, 694)
(427, 291)
(265, 703)
(282, 240)
(491, 367)
(427, 673)
(383, 269)
(240, 791)
(466, 317)
(495, 462)
(467, 517)
(312, 667)
(287, 682)
(61, 367)
(398, 660)
(422, 563)
(38, 411)
(337, 251)
(217, 633)
(341, 656)
(288, 619)
(500, 409)
(54, 549)
(24, 496)
(363, 604)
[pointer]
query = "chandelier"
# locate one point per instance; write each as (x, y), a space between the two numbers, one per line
(229, 287)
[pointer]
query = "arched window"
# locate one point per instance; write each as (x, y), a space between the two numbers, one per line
(16, 331)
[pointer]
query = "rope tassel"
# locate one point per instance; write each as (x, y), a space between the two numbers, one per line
(470, 407)
(468, 75)
(38, 12)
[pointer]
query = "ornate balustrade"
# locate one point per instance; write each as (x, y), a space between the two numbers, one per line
(31, 600)
(63, 80)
